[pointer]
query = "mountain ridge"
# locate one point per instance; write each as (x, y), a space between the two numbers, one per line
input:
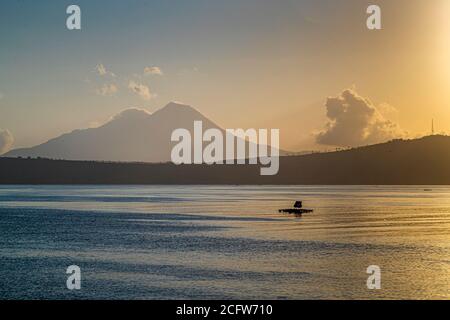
(133, 135)
(421, 161)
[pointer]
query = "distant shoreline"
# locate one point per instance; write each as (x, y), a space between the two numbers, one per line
(424, 161)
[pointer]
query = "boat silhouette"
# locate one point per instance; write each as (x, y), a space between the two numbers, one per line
(296, 209)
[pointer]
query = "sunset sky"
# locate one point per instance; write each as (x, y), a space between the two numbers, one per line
(242, 63)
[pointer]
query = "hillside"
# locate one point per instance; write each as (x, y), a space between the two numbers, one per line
(420, 161)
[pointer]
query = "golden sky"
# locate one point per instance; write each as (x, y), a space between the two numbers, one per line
(259, 64)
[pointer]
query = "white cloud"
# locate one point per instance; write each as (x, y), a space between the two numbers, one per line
(355, 121)
(140, 89)
(6, 141)
(107, 90)
(102, 71)
(153, 71)
(135, 84)
(94, 124)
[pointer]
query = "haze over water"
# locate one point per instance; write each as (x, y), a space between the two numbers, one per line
(214, 242)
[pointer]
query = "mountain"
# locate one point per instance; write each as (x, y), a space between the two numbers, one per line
(131, 136)
(424, 161)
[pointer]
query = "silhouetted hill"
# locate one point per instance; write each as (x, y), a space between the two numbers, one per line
(420, 161)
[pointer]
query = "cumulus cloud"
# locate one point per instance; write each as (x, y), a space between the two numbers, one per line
(6, 141)
(153, 70)
(140, 89)
(355, 121)
(102, 71)
(107, 90)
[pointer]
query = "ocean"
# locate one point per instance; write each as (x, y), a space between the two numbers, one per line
(224, 242)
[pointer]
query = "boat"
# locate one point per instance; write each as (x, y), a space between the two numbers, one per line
(297, 209)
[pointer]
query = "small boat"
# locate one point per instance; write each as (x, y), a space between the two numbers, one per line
(297, 209)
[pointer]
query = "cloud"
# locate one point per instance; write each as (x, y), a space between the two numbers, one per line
(135, 83)
(102, 71)
(140, 89)
(94, 124)
(1, 96)
(6, 141)
(153, 71)
(107, 90)
(355, 121)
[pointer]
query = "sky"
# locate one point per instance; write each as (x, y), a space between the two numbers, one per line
(310, 68)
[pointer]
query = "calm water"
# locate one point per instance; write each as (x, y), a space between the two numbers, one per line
(199, 242)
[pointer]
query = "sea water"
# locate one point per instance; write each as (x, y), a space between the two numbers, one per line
(224, 242)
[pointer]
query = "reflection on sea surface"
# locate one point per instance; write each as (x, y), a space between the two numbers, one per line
(209, 242)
